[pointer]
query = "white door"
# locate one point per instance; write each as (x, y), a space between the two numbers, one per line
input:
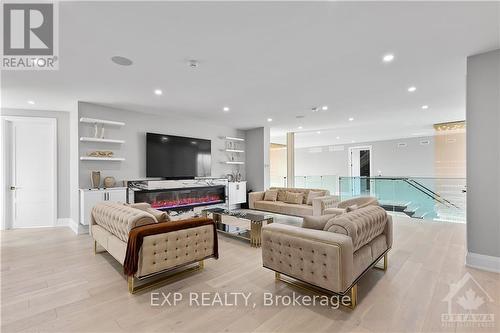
(360, 169)
(31, 167)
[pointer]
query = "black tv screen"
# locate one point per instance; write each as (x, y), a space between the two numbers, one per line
(177, 157)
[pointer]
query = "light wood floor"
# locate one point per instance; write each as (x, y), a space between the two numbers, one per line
(51, 281)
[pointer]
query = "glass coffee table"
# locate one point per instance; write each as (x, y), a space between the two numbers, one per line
(242, 223)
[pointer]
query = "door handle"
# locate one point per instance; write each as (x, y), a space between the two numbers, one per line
(13, 188)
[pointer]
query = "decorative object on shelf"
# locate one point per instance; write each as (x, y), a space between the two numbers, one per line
(109, 181)
(230, 178)
(238, 177)
(102, 132)
(95, 178)
(100, 153)
(96, 131)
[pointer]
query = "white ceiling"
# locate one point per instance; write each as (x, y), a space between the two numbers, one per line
(266, 60)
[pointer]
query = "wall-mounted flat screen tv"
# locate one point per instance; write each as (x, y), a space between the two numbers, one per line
(177, 157)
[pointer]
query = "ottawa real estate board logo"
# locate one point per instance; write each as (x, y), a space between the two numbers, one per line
(30, 36)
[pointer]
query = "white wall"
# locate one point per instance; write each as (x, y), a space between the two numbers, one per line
(257, 158)
(483, 159)
(414, 160)
(63, 153)
(134, 133)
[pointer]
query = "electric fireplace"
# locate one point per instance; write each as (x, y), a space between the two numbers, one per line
(182, 198)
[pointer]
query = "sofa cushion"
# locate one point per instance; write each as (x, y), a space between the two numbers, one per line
(271, 195)
(362, 259)
(159, 215)
(362, 225)
(351, 208)
(294, 198)
(281, 195)
(268, 206)
(296, 209)
(312, 195)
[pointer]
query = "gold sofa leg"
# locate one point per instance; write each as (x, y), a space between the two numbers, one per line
(384, 266)
(130, 281)
(277, 276)
(201, 264)
(353, 294)
(95, 247)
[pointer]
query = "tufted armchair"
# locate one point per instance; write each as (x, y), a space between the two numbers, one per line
(331, 252)
(111, 227)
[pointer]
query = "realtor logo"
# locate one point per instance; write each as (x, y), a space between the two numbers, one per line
(467, 301)
(29, 36)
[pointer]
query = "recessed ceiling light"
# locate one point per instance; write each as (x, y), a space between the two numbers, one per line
(353, 141)
(225, 109)
(193, 63)
(269, 120)
(425, 107)
(412, 89)
(319, 132)
(300, 127)
(351, 119)
(122, 61)
(388, 57)
(31, 102)
(338, 137)
(324, 107)
(158, 92)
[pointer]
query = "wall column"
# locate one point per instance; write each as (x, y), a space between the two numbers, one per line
(290, 159)
(483, 161)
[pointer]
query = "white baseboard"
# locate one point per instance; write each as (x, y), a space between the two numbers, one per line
(484, 262)
(63, 222)
(73, 225)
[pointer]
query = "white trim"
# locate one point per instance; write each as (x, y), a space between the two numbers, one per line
(72, 225)
(5, 192)
(101, 121)
(89, 139)
(482, 261)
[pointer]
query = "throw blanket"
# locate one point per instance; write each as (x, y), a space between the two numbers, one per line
(137, 235)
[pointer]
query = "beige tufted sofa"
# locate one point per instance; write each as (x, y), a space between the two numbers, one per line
(319, 204)
(331, 252)
(110, 227)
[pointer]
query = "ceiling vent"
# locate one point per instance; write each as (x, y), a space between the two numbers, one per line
(402, 145)
(425, 142)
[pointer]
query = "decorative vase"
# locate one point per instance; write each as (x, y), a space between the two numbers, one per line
(95, 179)
(102, 132)
(109, 181)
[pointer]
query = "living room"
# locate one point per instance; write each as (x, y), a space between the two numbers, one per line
(282, 166)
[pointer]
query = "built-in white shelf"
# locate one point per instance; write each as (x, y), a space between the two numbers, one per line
(233, 138)
(92, 158)
(101, 121)
(89, 139)
(234, 150)
(234, 162)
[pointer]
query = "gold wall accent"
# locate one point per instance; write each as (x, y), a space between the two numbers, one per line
(450, 126)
